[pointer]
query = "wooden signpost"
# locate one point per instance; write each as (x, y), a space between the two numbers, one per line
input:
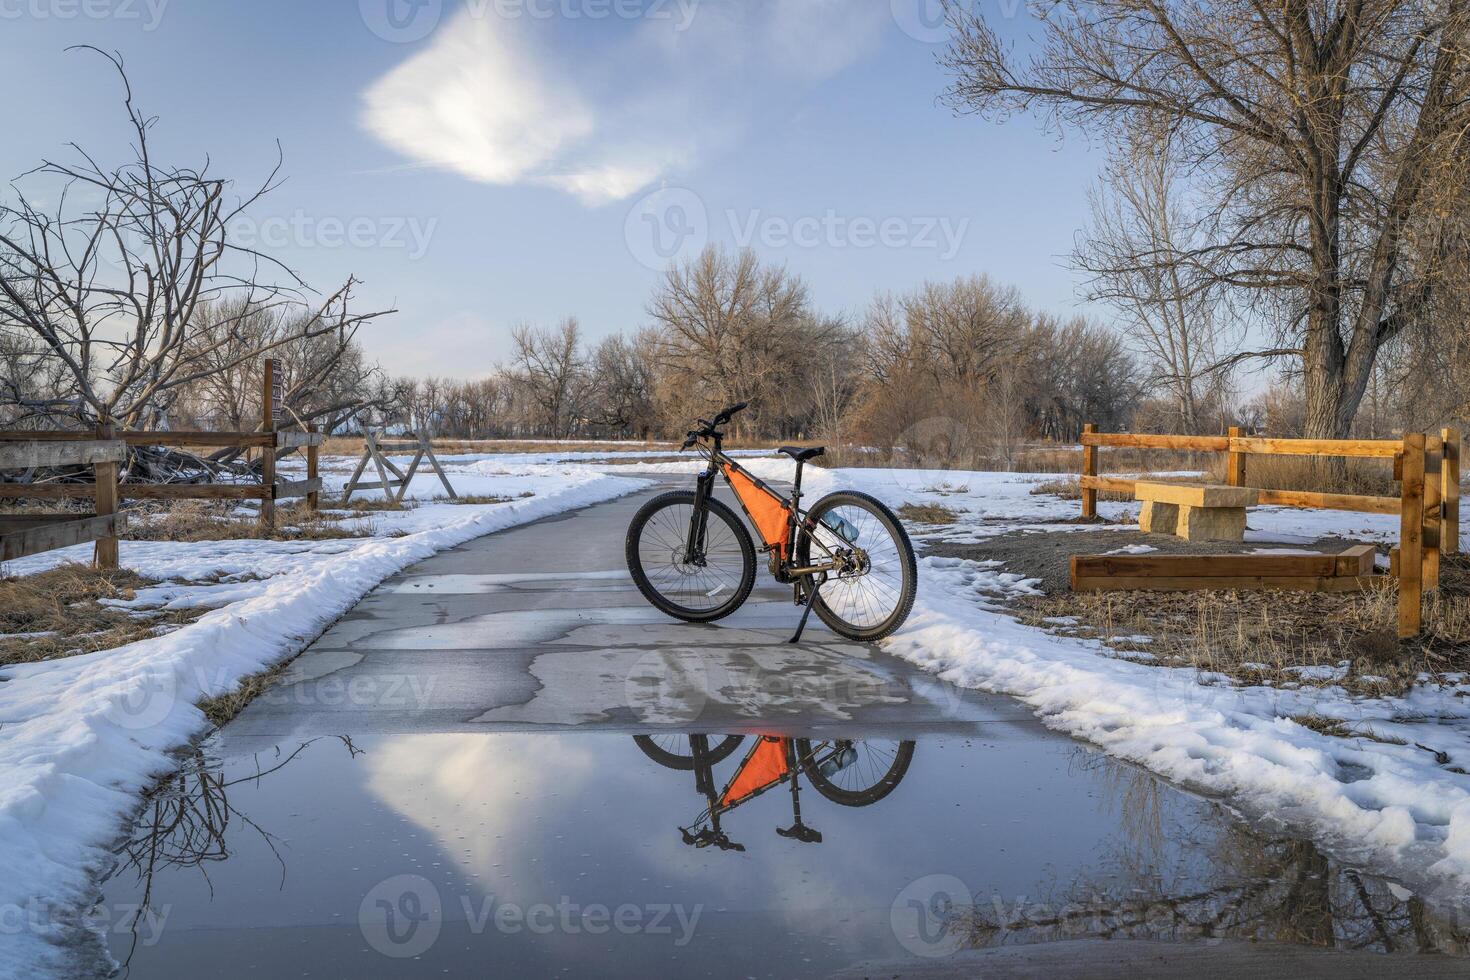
(375, 452)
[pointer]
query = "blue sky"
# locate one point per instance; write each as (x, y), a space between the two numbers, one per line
(481, 163)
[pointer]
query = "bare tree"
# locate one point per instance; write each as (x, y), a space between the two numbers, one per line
(1136, 251)
(624, 384)
(1332, 134)
(116, 291)
(731, 329)
(549, 371)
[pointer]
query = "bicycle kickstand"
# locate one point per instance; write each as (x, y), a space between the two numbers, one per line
(811, 598)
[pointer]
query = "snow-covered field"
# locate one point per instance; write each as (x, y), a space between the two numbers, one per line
(1396, 808)
(80, 738)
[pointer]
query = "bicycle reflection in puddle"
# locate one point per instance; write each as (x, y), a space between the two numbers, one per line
(848, 772)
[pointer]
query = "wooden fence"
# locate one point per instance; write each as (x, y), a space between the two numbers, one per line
(105, 449)
(1426, 466)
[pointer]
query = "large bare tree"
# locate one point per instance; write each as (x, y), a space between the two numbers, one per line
(1331, 135)
(116, 281)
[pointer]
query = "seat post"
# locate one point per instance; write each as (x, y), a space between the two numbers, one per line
(796, 486)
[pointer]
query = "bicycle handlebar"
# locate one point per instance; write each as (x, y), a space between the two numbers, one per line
(708, 426)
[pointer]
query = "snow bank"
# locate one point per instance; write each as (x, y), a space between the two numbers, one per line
(1388, 802)
(81, 738)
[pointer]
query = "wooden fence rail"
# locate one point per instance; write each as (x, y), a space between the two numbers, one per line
(105, 450)
(1426, 466)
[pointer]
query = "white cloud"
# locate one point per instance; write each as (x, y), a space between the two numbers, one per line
(600, 123)
(474, 104)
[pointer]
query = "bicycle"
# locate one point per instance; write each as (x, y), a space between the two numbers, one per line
(701, 570)
(848, 772)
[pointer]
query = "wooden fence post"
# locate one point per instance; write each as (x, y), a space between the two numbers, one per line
(1433, 509)
(1411, 537)
(105, 475)
(1089, 468)
(314, 498)
(1450, 492)
(1235, 462)
(268, 454)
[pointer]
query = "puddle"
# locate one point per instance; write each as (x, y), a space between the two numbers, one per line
(577, 853)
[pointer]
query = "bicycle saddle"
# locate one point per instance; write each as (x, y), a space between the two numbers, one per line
(802, 455)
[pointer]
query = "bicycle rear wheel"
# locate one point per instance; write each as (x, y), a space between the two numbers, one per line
(699, 588)
(871, 600)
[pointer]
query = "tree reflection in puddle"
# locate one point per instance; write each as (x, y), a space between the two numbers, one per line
(1234, 883)
(186, 822)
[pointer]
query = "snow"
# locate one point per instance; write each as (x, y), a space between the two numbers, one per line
(80, 738)
(1371, 800)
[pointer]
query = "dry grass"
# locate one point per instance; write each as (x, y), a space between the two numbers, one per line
(204, 520)
(482, 499)
(62, 608)
(1263, 636)
(1070, 487)
(1369, 477)
(222, 709)
(928, 514)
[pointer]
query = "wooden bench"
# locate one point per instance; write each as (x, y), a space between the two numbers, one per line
(1349, 571)
(1194, 511)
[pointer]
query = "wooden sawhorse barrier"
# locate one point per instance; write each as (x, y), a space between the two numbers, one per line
(375, 452)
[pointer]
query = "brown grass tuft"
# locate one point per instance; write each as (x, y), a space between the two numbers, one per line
(222, 709)
(1255, 636)
(62, 605)
(928, 514)
(203, 520)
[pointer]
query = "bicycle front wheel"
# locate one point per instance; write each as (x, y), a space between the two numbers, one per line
(855, 772)
(698, 588)
(874, 594)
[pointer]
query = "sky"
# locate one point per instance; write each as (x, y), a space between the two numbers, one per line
(484, 163)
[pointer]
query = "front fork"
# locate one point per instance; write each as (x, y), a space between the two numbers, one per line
(699, 520)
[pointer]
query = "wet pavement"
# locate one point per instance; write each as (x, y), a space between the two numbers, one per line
(447, 784)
